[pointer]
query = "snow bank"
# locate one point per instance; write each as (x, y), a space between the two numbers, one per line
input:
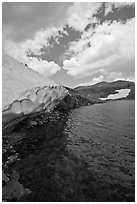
(35, 100)
(17, 78)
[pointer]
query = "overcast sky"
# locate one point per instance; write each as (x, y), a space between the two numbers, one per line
(72, 43)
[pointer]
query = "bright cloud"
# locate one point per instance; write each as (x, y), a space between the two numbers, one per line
(107, 48)
(41, 38)
(109, 77)
(94, 81)
(18, 50)
(80, 14)
(112, 44)
(43, 67)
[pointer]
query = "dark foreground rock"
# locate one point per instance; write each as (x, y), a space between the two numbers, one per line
(12, 190)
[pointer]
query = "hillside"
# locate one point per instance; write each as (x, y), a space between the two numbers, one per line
(17, 78)
(103, 89)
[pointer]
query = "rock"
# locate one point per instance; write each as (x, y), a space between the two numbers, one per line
(4, 177)
(28, 191)
(5, 166)
(32, 123)
(14, 190)
(15, 176)
(12, 159)
(4, 150)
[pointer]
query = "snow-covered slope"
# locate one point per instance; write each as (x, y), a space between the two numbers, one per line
(33, 101)
(17, 78)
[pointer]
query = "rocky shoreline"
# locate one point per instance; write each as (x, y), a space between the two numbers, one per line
(38, 167)
(39, 142)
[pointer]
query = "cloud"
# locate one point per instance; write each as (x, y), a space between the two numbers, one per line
(93, 81)
(80, 14)
(38, 18)
(118, 5)
(109, 47)
(43, 67)
(22, 8)
(41, 38)
(18, 50)
(108, 77)
(26, 18)
(114, 76)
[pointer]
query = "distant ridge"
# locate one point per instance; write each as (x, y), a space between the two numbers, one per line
(103, 89)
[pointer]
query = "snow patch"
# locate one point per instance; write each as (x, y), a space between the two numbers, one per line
(121, 94)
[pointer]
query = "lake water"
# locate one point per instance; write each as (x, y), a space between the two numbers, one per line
(104, 136)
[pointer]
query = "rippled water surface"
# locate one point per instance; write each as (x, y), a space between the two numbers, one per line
(104, 136)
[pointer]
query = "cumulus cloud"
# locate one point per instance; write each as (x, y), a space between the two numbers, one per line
(109, 6)
(80, 14)
(111, 47)
(43, 67)
(18, 50)
(108, 47)
(41, 38)
(93, 81)
(109, 77)
(114, 76)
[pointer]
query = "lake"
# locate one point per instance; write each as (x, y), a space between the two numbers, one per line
(104, 136)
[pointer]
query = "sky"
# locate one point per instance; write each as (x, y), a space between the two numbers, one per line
(73, 43)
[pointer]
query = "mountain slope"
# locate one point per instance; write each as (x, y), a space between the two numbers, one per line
(103, 89)
(17, 78)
